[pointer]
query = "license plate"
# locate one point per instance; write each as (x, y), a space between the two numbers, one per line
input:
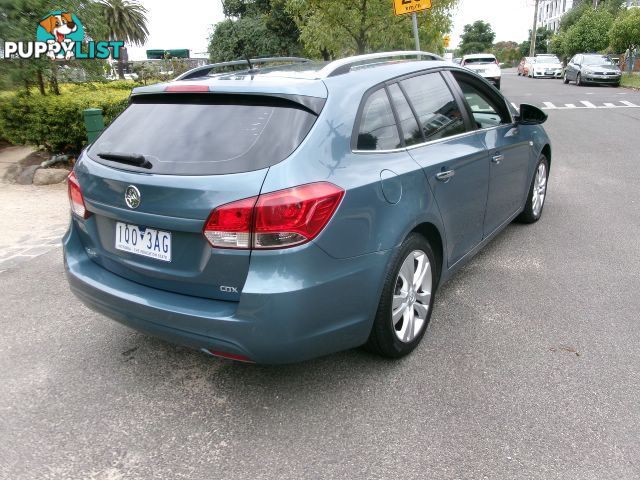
(147, 242)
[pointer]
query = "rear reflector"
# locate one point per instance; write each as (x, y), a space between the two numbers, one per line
(275, 220)
(75, 197)
(186, 88)
(230, 356)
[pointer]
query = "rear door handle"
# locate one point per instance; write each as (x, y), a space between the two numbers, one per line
(497, 158)
(444, 176)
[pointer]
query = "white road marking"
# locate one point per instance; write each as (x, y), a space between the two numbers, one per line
(588, 104)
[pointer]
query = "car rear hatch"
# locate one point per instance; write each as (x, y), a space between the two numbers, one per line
(153, 177)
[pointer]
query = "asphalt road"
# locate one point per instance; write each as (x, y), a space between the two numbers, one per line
(529, 370)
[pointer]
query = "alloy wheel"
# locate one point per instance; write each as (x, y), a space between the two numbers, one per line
(539, 189)
(411, 296)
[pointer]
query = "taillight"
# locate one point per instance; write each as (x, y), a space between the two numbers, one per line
(75, 197)
(229, 226)
(275, 220)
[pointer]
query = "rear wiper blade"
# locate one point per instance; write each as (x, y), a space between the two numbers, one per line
(127, 158)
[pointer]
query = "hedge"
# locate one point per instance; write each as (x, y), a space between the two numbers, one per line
(56, 121)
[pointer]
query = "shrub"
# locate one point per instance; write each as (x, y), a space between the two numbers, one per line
(56, 121)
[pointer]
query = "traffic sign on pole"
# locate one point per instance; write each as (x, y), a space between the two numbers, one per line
(402, 7)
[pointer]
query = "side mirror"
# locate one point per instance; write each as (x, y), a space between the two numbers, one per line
(530, 115)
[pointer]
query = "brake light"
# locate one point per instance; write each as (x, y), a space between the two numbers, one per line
(275, 220)
(229, 226)
(186, 88)
(75, 197)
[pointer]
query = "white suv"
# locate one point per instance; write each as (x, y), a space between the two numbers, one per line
(485, 65)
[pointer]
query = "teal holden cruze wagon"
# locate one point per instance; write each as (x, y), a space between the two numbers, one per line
(278, 213)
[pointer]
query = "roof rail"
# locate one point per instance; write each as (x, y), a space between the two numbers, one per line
(344, 65)
(205, 70)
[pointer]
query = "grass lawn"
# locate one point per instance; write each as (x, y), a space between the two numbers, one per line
(631, 80)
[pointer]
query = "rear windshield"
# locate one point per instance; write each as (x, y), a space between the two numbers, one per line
(210, 134)
(480, 61)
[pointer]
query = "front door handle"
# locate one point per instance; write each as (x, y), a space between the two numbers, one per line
(444, 176)
(497, 158)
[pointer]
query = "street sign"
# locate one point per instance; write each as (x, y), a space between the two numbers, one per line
(402, 7)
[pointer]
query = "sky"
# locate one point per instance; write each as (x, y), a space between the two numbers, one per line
(170, 28)
(510, 19)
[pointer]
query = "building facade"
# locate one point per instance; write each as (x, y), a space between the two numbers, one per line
(550, 13)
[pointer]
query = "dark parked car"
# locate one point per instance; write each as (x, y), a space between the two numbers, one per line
(277, 214)
(586, 68)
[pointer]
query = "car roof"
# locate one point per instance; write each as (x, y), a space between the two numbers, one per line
(307, 79)
(480, 55)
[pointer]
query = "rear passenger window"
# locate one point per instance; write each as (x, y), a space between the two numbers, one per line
(437, 110)
(408, 123)
(378, 129)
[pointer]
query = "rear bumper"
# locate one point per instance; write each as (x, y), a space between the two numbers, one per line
(296, 304)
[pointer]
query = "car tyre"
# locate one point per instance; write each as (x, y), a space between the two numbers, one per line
(565, 79)
(537, 193)
(406, 302)
(616, 85)
(498, 84)
(579, 80)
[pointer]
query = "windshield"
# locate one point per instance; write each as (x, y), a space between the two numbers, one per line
(596, 60)
(479, 61)
(548, 60)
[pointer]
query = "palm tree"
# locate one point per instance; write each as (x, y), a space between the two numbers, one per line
(125, 21)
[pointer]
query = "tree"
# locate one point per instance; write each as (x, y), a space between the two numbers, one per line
(124, 20)
(543, 37)
(590, 33)
(507, 52)
(477, 38)
(557, 45)
(255, 28)
(570, 18)
(625, 30)
(336, 27)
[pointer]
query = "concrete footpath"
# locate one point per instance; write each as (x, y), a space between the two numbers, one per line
(33, 218)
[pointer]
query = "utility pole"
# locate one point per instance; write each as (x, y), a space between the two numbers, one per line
(414, 19)
(595, 3)
(532, 49)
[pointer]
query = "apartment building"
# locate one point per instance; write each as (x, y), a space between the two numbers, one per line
(551, 11)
